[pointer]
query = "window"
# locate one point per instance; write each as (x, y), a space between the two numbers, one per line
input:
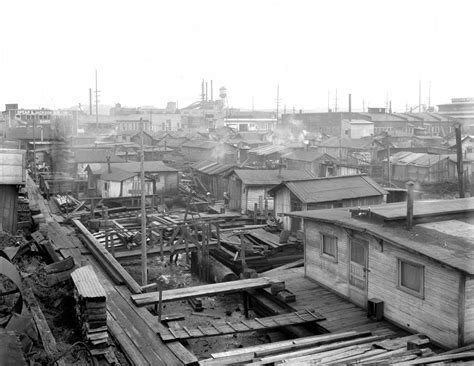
(411, 278)
(329, 246)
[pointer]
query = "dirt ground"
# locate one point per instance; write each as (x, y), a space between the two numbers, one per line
(219, 309)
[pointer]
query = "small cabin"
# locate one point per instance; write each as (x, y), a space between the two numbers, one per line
(323, 193)
(200, 150)
(423, 278)
(248, 187)
(310, 160)
(211, 176)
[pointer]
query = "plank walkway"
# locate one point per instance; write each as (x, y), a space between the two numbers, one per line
(341, 315)
(250, 325)
(135, 330)
(204, 290)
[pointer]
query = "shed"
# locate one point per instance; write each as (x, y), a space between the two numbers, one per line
(200, 150)
(424, 277)
(323, 193)
(250, 186)
(310, 160)
(212, 177)
(266, 156)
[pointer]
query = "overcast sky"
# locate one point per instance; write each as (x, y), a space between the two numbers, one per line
(151, 52)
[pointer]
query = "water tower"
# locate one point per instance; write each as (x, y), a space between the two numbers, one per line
(223, 92)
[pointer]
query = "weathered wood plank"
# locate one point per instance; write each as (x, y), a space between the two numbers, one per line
(204, 290)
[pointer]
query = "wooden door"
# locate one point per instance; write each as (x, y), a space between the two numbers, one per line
(358, 271)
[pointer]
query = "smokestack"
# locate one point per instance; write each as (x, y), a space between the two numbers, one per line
(390, 108)
(410, 185)
(212, 92)
(109, 167)
(202, 90)
(350, 107)
(206, 92)
(90, 101)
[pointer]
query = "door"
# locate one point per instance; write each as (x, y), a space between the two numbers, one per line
(358, 271)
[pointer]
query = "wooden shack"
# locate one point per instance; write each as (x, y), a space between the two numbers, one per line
(322, 193)
(12, 176)
(250, 186)
(212, 177)
(422, 278)
(310, 160)
(200, 150)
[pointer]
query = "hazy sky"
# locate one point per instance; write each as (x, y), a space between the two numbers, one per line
(151, 52)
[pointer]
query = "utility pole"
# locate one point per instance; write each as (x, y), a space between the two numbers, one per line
(34, 149)
(460, 167)
(278, 102)
(143, 209)
(96, 102)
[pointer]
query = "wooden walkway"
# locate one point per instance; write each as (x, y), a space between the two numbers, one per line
(250, 325)
(341, 315)
(204, 290)
(135, 330)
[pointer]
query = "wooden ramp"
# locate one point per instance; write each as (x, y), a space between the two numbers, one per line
(204, 290)
(299, 317)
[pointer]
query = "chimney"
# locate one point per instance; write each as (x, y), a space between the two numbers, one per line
(212, 92)
(350, 107)
(410, 185)
(202, 90)
(390, 107)
(206, 92)
(109, 167)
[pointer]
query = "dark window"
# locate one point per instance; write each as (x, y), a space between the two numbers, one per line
(329, 246)
(411, 277)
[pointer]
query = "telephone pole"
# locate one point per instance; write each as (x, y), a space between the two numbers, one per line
(96, 102)
(143, 208)
(278, 103)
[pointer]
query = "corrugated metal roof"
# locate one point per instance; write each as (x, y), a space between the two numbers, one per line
(267, 149)
(87, 283)
(419, 159)
(334, 188)
(270, 177)
(211, 167)
(95, 156)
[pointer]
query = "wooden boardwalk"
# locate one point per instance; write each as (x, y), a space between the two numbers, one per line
(341, 315)
(134, 329)
(250, 325)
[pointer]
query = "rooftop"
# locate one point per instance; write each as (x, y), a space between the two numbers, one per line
(267, 149)
(211, 167)
(333, 188)
(270, 177)
(435, 240)
(307, 155)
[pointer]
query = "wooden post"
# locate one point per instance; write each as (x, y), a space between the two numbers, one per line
(242, 252)
(266, 208)
(260, 205)
(410, 186)
(160, 301)
(459, 163)
(255, 212)
(161, 245)
(218, 234)
(186, 242)
(92, 208)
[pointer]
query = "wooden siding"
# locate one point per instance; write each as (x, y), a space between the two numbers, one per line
(322, 269)
(253, 196)
(435, 315)
(282, 204)
(469, 312)
(8, 208)
(12, 163)
(235, 191)
(362, 201)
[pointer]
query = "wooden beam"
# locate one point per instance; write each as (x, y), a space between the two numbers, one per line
(204, 290)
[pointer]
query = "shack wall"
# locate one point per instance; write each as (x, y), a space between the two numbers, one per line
(8, 208)
(469, 311)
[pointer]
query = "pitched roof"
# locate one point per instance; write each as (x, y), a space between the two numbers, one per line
(453, 249)
(95, 156)
(347, 143)
(211, 167)
(172, 142)
(117, 175)
(268, 177)
(201, 144)
(419, 159)
(308, 156)
(148, 166)
(267, 149)
(330, 189)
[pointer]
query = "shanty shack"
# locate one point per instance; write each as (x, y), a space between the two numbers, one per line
(161, 177)
(310, 160)
(322, 193)
(12, 176)
(200, 150)
(118, 183)
(93, 157)
(267, 156)
(211, 176)
(248, 187)
(424, 168)
(420, 279)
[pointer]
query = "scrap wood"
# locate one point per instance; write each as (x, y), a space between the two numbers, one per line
(206, 315)
(435, 359)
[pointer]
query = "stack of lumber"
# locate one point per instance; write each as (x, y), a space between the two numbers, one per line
(66, 202)
(91, 307)
(340, 348)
